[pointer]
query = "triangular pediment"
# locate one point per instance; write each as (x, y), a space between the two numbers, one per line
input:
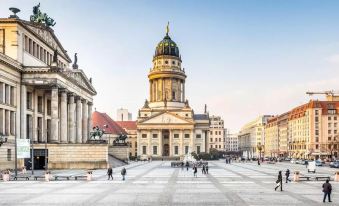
(79, 77)
(166, 118)
(47, 36)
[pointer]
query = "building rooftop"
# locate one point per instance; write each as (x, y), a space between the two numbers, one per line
(129, 125)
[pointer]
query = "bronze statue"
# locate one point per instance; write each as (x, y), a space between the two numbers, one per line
(42, 18)
(120, 140)
(97, 132)
(75, 64)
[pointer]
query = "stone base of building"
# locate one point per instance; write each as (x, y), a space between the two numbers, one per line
(74, 156)
(119, 152)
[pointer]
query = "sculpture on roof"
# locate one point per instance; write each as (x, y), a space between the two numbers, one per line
(42, 18)
(97, 132)
(120, 140)
(146, 104)
(75, 64)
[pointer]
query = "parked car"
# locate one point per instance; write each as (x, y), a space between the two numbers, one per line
(318, 163)
(293, 161)
(334, 164)
(287, 159)
(303, 162)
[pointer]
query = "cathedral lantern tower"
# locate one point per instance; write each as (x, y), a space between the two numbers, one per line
(167, 78)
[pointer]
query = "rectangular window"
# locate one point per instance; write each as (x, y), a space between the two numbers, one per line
(329, 125)
(49, 107)
(316, 132)
(329, 131)
(211, 139)
(29, 100)
(144, 135)
(329, 138)
(335, 131)
(219, 139)
(216, 132)
(335, 118)
(198, 136)
(155, 135)
(155, 150)
(211, 146)
(329, 118)
(316, 112)
(316, 146)
(187, 135)
(211, 132)
(219, 146)
(316, 119)
(186, 149)
(176, 150)
(198, 149)
(144, 150)
(176, 135)
(219, 132)
(40, 104)
(30, 49)
(9, 154)
(216, 139)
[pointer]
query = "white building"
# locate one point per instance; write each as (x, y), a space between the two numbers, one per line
(123, 115)
(231, 142)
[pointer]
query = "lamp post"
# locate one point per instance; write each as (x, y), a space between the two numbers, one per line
(260, 147)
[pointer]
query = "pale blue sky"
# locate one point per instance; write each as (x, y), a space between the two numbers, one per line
(242, 58)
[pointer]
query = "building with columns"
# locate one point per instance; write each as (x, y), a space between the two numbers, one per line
(41, 97)
(167, 126)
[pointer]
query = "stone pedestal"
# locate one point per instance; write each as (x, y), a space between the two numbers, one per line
(336, 176)
(119, 152)
(296, 176)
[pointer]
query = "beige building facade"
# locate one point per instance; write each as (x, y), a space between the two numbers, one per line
(167, 126)
(217, 137)
(251, 137)
(41, 97)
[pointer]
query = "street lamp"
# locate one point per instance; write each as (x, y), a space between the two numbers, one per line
(260, 147)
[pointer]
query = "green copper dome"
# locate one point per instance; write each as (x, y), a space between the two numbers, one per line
(167, 47)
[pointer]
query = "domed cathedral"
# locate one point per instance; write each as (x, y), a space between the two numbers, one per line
(167, 126)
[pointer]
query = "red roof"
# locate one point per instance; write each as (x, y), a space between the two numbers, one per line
(129, 125)
(100, 119)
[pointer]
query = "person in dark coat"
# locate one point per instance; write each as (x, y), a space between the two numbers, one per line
(207, 169)
(258, 162)
(110, 172)
(123, 173)
(287, 174)
(279, 182)
(187, 165)
(182, 166)
(327, 189)
(203, 170)
(195, 170)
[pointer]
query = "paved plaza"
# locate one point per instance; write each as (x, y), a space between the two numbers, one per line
(156, 183)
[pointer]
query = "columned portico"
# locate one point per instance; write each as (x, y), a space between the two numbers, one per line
(84, 121)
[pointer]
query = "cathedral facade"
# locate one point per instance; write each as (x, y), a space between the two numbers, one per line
(167, 126)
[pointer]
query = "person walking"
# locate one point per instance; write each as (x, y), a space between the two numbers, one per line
(203, 170)
(258, 162)
(182, 166)
(109, 172)
(207, 169)
(327, 189)
(287, 174)
(123, 173)
(226, 160)
(279, 182)
(187, 165)
(195, 170)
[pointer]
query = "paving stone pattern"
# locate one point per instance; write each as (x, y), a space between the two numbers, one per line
(156, 183)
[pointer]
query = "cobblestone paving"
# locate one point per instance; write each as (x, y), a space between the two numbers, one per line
(156, 183)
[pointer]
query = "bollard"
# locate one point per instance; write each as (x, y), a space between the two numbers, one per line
(47, 176)
(336, 177)
(89, 175)
(296, 176)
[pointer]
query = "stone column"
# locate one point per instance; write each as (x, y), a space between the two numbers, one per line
(8, 94)
(54, 115)
(71, 119)
(170, 143)
(84, 121)
(89, 119)
(183, 91)
(23, 107)
(63, 117)
(8, 122)
(78, 120)
(182, 149)
(149, 149)
(161, 152)
(192, 141)
(150, 91)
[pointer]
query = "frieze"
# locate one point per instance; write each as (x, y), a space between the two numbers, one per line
(46, 36)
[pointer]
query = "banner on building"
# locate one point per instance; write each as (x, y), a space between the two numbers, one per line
(23, 148)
